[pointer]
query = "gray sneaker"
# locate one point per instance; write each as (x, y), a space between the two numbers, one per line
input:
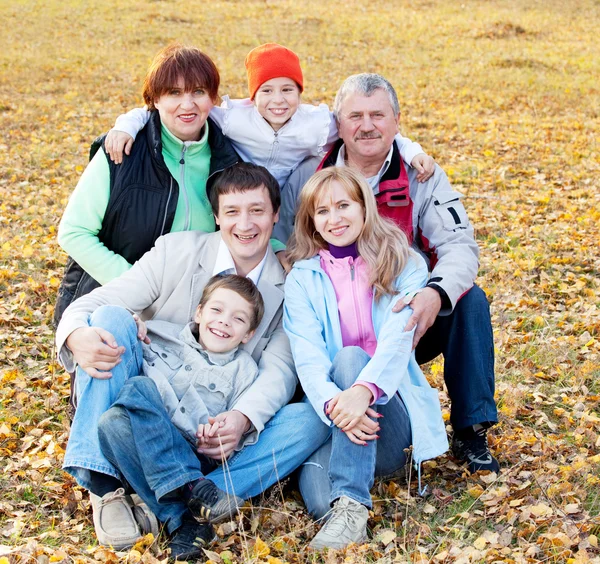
(146, 520)
(347, 524)
(114, 521)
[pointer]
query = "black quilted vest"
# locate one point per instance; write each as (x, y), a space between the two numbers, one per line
(142, 203)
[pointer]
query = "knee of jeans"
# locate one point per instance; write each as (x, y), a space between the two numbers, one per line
(474, 300)
(112, 424)
(137, 386)
(112, 318)
(347, 365)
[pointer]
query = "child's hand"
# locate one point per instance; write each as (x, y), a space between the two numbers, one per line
(116, 143)
(206, 431)
(142, 330)
(425, 166)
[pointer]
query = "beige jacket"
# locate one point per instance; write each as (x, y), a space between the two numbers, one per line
(166, 284)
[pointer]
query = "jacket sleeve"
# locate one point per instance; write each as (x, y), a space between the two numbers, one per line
(308, 346)
(275, 385)
(218, 114)
(389, 364)
(133, 121)
(408, 149)
(82, 221)
(289, 198)
(136, 289)
(446, 234)
(328, 133)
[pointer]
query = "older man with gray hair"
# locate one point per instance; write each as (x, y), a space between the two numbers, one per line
(451, 313)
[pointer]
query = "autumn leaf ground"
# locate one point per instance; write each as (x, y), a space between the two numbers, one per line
(504, 94)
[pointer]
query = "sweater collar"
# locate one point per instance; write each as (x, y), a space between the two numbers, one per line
(174, 146)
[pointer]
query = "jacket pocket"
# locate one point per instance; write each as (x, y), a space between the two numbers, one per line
(451, 211)
(429, 432)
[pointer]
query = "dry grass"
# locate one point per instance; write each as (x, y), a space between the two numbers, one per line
(504, 94)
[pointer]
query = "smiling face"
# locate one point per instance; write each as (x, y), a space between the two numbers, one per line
(338, 218)
(224, 321)
(246, 222)
(184, 113)
(367, 125)
(277, 101)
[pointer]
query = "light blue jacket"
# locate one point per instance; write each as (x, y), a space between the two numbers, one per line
(311, 321)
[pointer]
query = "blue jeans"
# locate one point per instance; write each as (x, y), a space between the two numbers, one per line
(465, 339)
(138, 437)
(341, 467)
(95, 396)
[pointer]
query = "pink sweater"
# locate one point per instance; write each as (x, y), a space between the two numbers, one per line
(350, 279)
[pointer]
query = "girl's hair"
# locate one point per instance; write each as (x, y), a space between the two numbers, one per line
(381, 243)
(240, 285)
(178, 61)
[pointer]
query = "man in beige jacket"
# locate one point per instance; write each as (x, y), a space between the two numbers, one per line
(166, 284)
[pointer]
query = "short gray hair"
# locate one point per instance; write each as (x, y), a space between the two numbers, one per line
(366, 84)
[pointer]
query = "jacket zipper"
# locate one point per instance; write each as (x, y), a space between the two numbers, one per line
(162, 229)
(183, 188)
(274, 148)
(361, 333)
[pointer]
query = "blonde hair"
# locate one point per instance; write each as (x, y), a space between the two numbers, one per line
(381, 243)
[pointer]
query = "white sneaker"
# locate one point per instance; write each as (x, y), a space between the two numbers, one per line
(114, 521)
(347, 524)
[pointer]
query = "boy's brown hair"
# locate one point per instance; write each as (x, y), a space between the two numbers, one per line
(242, 286)
(177, 61)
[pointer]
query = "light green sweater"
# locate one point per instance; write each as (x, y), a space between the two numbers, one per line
(83, 216)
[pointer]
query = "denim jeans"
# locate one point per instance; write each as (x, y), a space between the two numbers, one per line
(139, 439)
(95, 396)
(341, 467)
(465, 339)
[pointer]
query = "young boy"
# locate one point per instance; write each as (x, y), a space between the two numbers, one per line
(271, 128)
(199, 370)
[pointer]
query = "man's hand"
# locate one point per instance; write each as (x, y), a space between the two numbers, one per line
(425, 305)
(117, 142)
(142, 329)
(224, 434)
(283, 261)
(95, 350)
(347, 408)
(425, 166)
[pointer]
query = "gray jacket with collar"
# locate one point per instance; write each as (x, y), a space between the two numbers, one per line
(194, 383)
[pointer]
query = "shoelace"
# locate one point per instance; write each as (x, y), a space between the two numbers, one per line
(343, 516)
(207, 493)
(116, 495)
(477, 449)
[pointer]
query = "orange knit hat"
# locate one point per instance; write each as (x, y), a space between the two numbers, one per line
(272, 61)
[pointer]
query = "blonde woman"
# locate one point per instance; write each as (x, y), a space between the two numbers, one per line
(353, 358)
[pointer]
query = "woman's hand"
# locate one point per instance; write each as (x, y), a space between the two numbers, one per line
(348, 407)
(365, 430)
(117, 143)
(142, 330)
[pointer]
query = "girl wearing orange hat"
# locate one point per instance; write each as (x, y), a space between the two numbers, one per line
(271, 128)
